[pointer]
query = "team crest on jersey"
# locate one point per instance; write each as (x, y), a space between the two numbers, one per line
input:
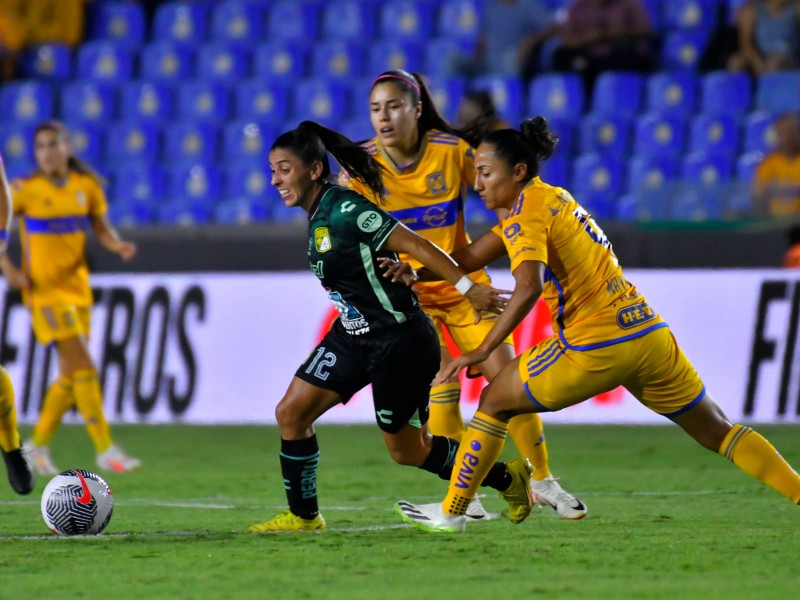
(322, 240)
(81, 198)
(436, 183)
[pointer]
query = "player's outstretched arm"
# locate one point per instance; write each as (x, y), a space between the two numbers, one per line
(109, 238)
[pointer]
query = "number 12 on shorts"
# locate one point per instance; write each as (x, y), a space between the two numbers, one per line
(317, 367)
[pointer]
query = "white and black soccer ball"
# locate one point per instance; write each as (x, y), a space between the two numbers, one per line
(77, 502)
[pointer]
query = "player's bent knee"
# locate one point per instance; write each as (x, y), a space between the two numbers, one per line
(289, 418)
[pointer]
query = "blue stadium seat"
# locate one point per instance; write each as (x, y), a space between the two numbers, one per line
(694, 15)
(357, 129)
(389, 54)
(319, 100)
(599, 177)
(105, 61)
(120, 22)
(475, 211)
(187, 212)
(262, 99)
(88, 101)
(567, 134)
(655, 12)
(555, 170)
(618, 93)
(87, 141)
(446, 94)
(779, 92)
(292, 20)
(659, 135)
(242, 211)
(601, 206)
(181, 22)
(726, 93)
(16, 142)
(349, 19)
(280, 60)
(247, 140)
(204, 100)
(606, 133)
(139, 182)
(151, 101)
(251, 179)
(714, 134)
(459, 19)
(190, 142)
(707, 171)
(672, 91)
(197, 181)
(132, 141)
(406, 19)
(650, 175)
(50, 61)
(337, 58)
(439, 54)
(124, 212)
(507, 92)
(682, 50)
(747, 164)
(556, 95)
(166, 61)
(694, 204)
(280, 213)
(237, 21)
(759, 132)
(27, 101)
(222, 62)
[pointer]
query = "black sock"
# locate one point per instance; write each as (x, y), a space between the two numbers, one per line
(299, 462)
(498, 478)
(442, 457)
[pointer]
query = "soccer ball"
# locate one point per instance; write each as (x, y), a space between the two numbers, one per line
(77, 502)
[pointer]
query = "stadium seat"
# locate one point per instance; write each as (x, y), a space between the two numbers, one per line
(124, 212)
(87, 141)
(759, 133)
(27, 101)
(166, 61)
(555, 170)
(16, 142)
(139, 182)
(337, 59)
(439, 54)
(186, 212)
(88, 101)
(659, 135)
(556, 95)
(251, 179)
(446, 94)
(706, 170)
(672, 91)
(747, 164)
(357, 129)
(655, 12)
(197, 181)
(682, 50)
(459, 19)
(475, 211)
(247, 140)
(181, 22)
(349, 19)
(292, 20)
(204, 100)
(406, 19)
(567, 134)
(280, 60)
(50, 61)
(280, 213)
(694, 15)
(132, 141)
(150, 101)
(703, 196)
(507, 92)
(189, 142)
(105, 61)
(599, 205)
(726, 93)
(779, 92)
(714, 134)
(319, 100)
(694, 204)
(388, 54)
(597, 175)
(606, 133)
(262, 99)
(222, 61)
(117, 21)
(242, 211)
(649, 175)
(237, 21)
(618, 93)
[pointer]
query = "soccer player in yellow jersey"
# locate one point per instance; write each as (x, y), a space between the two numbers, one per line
(56, 206)
(427, 166)
(20, 475)
(606, 333)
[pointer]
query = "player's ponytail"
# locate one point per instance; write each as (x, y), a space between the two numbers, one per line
(532, 144)
(73, 162)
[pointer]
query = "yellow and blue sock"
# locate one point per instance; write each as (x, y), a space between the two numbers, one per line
(89, 398)
(527, 431)
(445, 411)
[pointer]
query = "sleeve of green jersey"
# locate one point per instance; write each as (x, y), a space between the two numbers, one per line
(369, 223)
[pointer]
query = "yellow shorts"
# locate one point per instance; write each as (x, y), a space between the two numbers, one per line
(460, 322)
(651, 367)
(60, 322)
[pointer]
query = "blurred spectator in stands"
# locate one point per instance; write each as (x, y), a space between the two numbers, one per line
(769, 36)
(12, 39)
(603, 35)
(791, 259)
(477, 106)
(776, 186)
(512, 32)
(56, 21)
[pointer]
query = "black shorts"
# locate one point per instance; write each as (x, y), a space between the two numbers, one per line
(400, 363)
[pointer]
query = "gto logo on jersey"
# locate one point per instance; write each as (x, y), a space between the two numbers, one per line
(436, 183)
(322, 240)
(369, 221)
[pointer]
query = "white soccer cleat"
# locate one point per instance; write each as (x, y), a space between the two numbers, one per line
(430, 517)
(114, 459)
(476, 511)
(549, 492)
(38, 457)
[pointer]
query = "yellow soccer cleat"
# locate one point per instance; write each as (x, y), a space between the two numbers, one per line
(288, 521)
(519, 496)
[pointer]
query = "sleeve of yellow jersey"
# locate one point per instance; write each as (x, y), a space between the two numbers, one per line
(525, 236)
(18, 195)
(97, 199)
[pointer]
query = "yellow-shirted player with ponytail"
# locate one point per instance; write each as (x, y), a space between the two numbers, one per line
(56, 206)
(427, 168)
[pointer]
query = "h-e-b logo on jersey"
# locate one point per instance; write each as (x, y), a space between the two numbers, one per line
(322, 240)
(436, 183)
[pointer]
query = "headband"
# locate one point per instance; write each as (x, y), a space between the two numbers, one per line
(402, 78)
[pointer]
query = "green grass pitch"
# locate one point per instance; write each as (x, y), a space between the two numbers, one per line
(667, 519)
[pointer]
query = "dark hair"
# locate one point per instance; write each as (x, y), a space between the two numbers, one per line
(532, 144)
(73, 162)
(484, 101)
(413, 84)
(312, 142)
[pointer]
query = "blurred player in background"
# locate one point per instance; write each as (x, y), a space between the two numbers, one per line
(381, 336)
(57, 204)
(607, 335)
(427, 166)
(20, 475)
